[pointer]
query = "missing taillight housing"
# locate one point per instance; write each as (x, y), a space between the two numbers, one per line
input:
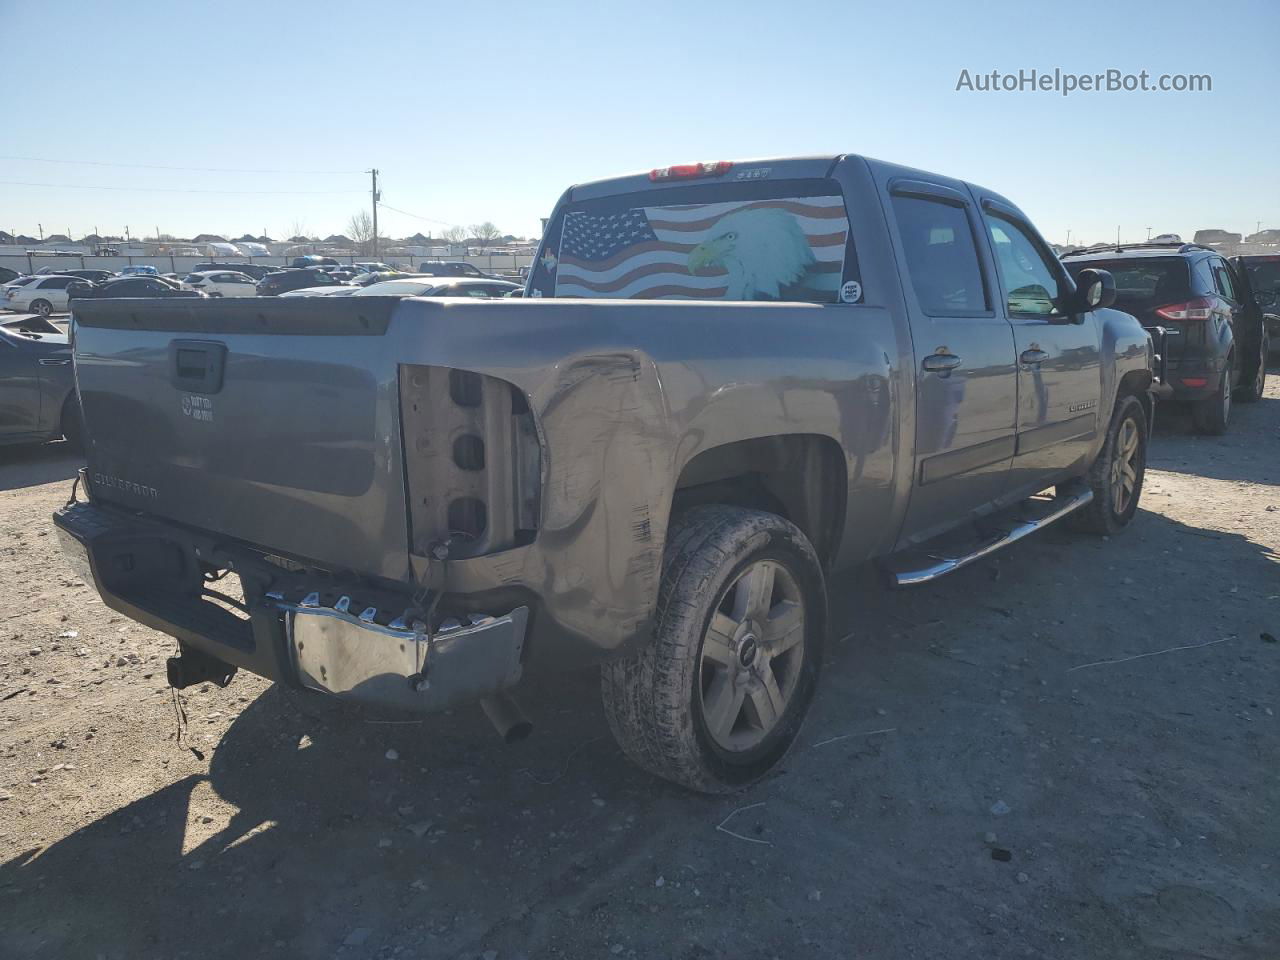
(473, 461)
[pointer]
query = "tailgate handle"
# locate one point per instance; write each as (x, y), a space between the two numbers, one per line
(196, 366)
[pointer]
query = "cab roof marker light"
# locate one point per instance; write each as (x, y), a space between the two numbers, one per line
(690, 171)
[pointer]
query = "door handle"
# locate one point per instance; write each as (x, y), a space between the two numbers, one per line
(54, 361)
(1033, 356)
(941, 362)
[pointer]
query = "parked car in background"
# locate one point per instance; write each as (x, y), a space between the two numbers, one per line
(93, 276)
(376, 266)
(7, 275)
(438, 287)
(377, 276)
(1220, 348)
(474, 494)
(311, 260)
(1263, 272)
(336, 290)
(222, 283)
(255, 270)
(453, 268)
(36, 383)
(42, 295)
(131, 287)
(139, 270)
(294, 279)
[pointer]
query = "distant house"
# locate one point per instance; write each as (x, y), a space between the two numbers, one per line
(299, 239)
(208, 238)
(57, 238)
(338, 240)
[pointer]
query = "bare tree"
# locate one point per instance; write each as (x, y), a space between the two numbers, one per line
(456, 235)
(360, 229)
(485, 233)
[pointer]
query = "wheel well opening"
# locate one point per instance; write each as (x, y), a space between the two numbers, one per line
(798, 476)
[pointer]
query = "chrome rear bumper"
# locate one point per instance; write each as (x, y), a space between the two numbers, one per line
(399, 664)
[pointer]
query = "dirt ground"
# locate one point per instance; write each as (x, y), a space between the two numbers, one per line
(1005, 764)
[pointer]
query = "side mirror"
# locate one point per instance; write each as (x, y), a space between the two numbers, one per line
(1095, 289)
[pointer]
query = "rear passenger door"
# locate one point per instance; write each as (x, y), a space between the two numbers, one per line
(1059, 372)
(966, 376)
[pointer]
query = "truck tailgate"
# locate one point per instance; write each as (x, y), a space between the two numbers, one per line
(274, 422)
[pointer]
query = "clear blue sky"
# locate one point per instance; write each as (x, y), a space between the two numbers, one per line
(486, 111)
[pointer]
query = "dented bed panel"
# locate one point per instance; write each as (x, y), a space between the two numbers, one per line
(623, 396)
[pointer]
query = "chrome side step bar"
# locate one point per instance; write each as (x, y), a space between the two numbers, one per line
(922, 565)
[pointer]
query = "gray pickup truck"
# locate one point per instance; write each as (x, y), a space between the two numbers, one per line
(726, 384)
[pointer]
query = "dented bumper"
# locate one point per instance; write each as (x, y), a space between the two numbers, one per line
(151, 572)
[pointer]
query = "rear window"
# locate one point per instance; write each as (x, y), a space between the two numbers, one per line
(782, 241)
(1145, 282)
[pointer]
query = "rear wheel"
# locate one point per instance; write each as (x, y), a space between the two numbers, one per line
(1252, 391)
(42, 307)
(1117, 474)
(718, 696)
(1210, 414)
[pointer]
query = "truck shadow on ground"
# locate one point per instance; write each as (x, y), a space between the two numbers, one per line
(29, 465)
(333, 830)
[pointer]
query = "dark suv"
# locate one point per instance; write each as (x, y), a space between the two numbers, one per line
(274, 284)
(1220, 346)
(255, 270)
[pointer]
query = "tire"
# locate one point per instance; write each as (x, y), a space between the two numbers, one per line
(1254, 390)
(1211, 414)
(1107, 513)
(42, 307)
(701, 712)
(72, 423)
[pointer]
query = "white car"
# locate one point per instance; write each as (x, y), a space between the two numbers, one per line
(42, 295)
(334, 291)
(221, 283)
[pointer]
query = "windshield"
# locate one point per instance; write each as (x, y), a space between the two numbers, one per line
(787, 241)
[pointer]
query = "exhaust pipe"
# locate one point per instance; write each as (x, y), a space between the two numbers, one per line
(507, 717)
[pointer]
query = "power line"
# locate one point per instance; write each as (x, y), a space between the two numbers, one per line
(156, 166)
(86, 186)
(415, 216)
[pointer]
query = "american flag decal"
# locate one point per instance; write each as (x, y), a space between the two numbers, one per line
(774, 249)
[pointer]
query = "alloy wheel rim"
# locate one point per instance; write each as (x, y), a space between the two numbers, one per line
(751, 657)
(1124, 469)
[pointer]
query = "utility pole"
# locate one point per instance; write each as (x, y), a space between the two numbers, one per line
(1068, 243)
(375, 195)
(1117, 234)
(40, 227)
(1148, 233)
